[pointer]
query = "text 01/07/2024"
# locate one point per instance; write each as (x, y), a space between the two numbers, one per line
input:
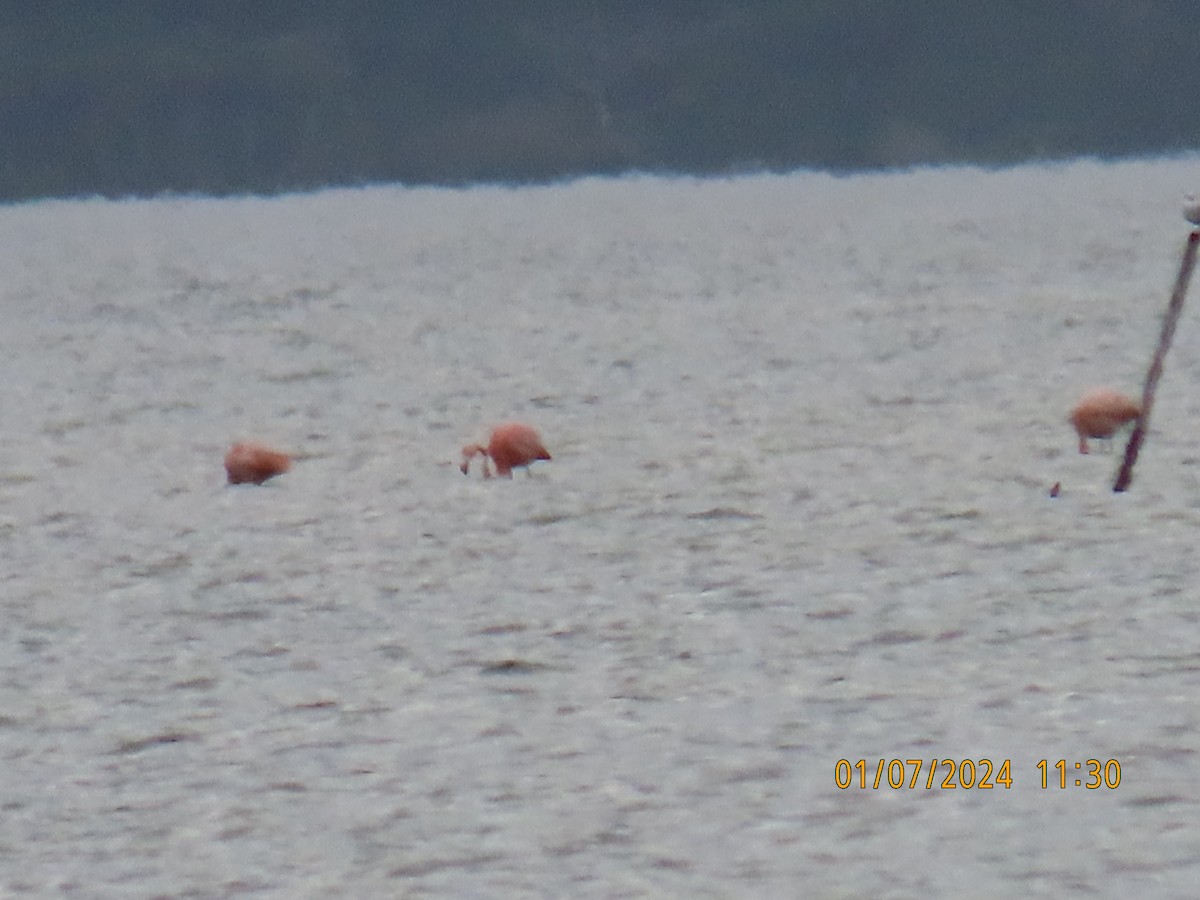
(968, 774)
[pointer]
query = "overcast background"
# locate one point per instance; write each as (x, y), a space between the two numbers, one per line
(141, 98)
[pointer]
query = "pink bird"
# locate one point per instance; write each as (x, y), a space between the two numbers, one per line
(254, 463)
(1101, 413)
(512, 445)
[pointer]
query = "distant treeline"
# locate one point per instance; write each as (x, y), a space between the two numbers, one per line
(223, 96)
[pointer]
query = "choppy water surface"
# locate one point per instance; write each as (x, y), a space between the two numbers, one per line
(804, 428)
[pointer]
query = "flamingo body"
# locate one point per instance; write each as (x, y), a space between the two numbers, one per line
(511, 446)
(253, 463)
(1101, 413)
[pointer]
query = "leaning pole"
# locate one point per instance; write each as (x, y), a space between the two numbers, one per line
(1174, 308)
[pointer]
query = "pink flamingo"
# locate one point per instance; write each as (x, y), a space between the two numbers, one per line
(254, 463)
(512, 445)
(1101, 413)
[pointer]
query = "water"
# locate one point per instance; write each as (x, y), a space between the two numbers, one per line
(804, 430)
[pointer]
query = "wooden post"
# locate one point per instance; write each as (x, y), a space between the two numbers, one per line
(1174, 308)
